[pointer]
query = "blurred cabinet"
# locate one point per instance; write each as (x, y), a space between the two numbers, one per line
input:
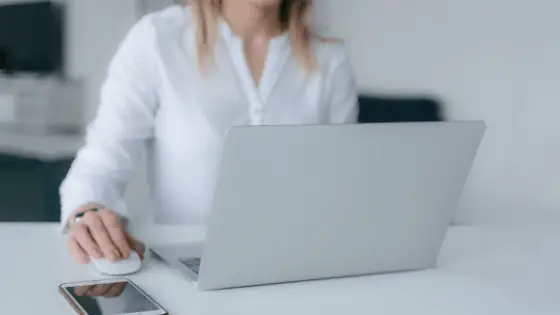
(32, 168)
(41, 104)
(29, 188)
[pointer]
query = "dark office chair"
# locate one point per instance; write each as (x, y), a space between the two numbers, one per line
(386, 109)
(3, 59)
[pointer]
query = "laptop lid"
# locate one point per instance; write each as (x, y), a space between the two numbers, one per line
(311, 202)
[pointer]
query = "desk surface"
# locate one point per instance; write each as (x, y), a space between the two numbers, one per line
(481, 276)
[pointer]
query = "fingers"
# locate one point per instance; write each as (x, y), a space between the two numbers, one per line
(101, 236)
(116, 232)
(116, 290)
(107, 289)
(82, 290)
(77, 251)
(136, 245)
(100, 289)
(84, 240)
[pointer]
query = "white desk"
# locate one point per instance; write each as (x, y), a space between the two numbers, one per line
(482, 271)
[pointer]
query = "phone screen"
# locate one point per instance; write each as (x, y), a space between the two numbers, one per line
(115, 298)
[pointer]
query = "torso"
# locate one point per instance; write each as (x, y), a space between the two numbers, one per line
(196, 109)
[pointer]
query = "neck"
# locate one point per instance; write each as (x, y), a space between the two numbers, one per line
(248, 21)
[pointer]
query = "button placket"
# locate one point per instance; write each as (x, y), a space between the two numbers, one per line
(278, 54)
(256, 108)
(276, 59)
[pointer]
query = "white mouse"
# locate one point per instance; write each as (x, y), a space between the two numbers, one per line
(120, 268)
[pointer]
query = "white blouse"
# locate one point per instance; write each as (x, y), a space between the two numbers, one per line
(155, 100)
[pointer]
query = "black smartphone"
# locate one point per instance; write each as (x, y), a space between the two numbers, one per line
(109, 297)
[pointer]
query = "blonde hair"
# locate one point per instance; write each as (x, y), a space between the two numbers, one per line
(293, 18)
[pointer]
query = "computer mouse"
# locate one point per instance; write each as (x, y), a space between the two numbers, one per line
(120, 268)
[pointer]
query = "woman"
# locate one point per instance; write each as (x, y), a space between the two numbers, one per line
(180, 79)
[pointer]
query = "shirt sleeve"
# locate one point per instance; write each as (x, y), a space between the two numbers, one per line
(342, 91)
(116, 138)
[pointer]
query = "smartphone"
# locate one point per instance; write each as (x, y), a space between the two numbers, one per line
(109, 297)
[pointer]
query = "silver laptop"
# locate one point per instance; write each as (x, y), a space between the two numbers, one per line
(296, 203)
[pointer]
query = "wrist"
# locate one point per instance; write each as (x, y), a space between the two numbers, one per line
(77, 214)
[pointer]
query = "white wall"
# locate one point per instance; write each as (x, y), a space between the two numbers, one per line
(147, 6)
(95, 29)
(495, 60)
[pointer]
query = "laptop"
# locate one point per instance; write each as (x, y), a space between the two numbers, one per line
(297, 203)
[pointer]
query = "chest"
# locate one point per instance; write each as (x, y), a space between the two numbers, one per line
(228, 95)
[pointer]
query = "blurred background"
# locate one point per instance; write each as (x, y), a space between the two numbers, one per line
(491, 60)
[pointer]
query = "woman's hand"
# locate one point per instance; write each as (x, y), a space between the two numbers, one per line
(101, 234)
(107, 290)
